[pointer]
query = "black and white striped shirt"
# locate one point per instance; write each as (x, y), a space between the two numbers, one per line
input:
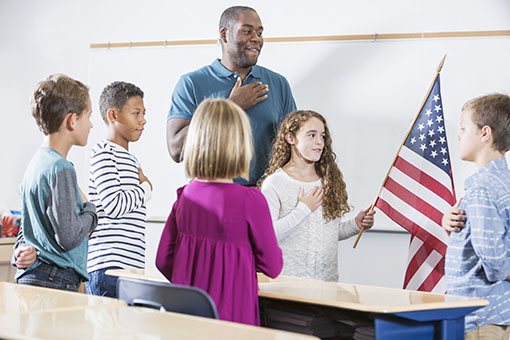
(115, 189)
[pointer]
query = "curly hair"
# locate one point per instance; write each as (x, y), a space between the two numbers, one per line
(334, 204)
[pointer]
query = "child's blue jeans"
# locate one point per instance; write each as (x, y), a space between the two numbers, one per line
(101, 284)
(51, 276)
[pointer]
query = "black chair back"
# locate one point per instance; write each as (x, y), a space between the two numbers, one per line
(166, 297)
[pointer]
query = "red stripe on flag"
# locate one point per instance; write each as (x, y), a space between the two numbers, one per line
(413, 200)
(414, 264)
(410, 226)
(425, 180)
(434, 277)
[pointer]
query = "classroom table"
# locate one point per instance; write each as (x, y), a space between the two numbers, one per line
(393, 313)
(28, 312)
(16, 299)
(138, 274)
(129, 323)
(7, 271)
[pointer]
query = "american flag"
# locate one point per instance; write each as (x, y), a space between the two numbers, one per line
(418, 189)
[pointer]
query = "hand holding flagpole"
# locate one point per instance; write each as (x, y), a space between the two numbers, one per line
(370, 211)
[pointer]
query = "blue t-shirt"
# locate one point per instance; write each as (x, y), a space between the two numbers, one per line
(54, 219)
(216, 81)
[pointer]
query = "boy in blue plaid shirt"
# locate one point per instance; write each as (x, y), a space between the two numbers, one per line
(478, 255)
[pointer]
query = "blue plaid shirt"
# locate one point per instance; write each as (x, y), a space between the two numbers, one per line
(478, 257)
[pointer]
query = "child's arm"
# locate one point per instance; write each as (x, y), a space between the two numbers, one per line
(365, 219)
(143, 181)
(268, 255)
(284, 226)
(117, 200)
(23, 256)
(70, 226)
(453, 219)
(166, 248)
(348, 228)
(488, 232)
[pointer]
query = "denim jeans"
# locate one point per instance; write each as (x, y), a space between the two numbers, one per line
(51, 276)
(101, 284)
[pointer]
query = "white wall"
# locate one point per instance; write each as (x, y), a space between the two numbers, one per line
(38, 38)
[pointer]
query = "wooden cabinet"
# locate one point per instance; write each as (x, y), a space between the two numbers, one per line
(6, 270)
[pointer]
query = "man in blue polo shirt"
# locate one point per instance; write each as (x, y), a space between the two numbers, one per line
(264, 95)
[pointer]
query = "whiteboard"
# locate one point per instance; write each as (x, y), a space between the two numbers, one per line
(369, 91)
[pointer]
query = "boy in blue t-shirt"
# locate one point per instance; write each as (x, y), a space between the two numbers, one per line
(478, 254)
(56, 217)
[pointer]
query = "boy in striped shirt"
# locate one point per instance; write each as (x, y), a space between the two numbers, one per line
(478, 254)
(119, 189)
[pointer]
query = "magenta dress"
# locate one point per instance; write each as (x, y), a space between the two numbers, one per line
(216, 238)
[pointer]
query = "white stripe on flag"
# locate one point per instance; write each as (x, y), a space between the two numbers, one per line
(424, 270)
(415, 244)
(440, 287)
(419, 190)
(414, 215)
(424, 165)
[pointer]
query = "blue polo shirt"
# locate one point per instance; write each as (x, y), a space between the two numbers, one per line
(216, 81)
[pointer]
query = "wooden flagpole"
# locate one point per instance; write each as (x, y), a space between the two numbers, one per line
(438, 70)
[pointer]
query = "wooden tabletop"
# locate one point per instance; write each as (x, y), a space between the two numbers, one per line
(17, 299)
(124, 322)
(154, 275)
(341, 295)
(362, 298)
(157, 219)
(7, 240)
(29, 312)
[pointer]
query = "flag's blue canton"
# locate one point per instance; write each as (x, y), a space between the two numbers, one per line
(428, 135)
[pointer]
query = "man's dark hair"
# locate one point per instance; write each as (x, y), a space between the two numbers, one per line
(231, 15)
(116, 95)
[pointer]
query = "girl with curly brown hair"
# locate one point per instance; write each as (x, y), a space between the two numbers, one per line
(307, 197)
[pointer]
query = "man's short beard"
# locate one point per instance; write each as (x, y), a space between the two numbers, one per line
(241, 60)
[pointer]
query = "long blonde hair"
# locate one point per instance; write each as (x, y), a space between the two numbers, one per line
(219, 141)
(334, 204)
